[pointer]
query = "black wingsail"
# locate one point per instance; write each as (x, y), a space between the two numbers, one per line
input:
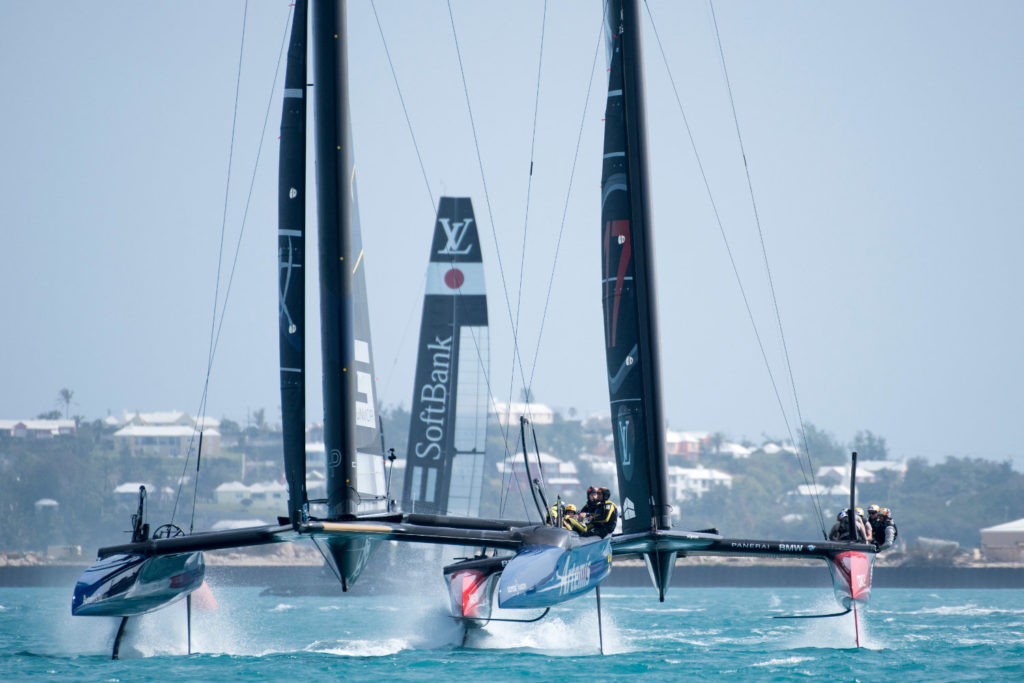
(630, 301)
(448, 426)
(343, 355)
(291, 258)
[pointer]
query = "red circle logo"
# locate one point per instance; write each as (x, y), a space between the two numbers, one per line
(454, 278)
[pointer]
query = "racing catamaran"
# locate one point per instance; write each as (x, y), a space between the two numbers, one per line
(539, 565)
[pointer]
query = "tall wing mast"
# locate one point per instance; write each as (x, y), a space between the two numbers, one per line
(291, 259)
(448, 426)
(334, 169)
(339, 290)
(628, 289)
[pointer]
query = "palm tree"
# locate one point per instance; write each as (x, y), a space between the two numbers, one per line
(64, 397)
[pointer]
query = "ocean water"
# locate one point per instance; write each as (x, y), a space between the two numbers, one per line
(719, 633)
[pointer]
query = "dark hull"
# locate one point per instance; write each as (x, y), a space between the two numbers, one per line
(130, 585)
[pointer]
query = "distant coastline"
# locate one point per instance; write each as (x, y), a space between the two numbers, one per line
(316, 579)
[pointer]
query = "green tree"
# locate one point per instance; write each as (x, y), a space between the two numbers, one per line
(822, 448)
(868, 446)
(955, 499)
(64, 397)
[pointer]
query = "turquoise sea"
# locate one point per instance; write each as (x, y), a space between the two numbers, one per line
(717, 633)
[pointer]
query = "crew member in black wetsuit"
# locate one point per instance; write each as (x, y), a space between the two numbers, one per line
(602, 522)
(882, 527)
(593, 502)
(889, 532)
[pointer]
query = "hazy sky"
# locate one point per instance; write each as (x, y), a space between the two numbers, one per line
(884, 143)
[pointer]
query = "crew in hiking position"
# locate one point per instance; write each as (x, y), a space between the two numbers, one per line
(571, 520)
(600, 512)
(841, 529)
(882, 526)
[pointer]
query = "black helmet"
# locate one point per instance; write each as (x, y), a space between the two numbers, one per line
(592, 489)
(605, 493)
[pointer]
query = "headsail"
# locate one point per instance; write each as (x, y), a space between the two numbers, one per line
(630, 304)
(370, 481)
(291, 259)
(448, 426)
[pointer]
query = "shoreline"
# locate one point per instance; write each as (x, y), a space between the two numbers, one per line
(317, 579)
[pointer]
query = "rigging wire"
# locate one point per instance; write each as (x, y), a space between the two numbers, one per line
(434, 210)
(426, 183)
(405, 111)
(526, 212)
(517, 359)
(526, 225)
(217, 325)
(487, 196)
(746, 302)
(767, 267)
(220, 250)
(764, 250)
(565, 206)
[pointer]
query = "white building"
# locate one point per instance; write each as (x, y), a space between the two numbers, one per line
(685, 443)
(772, 448)
(560, 478)
(170, 433)
(1003, 542)
(693, 482)
(536, 413)
(173, 440)
(734, 449)
(36, 429)
(271, 494)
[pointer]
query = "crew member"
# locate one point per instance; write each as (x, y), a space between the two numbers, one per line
(571, 520)
(602, 522)
(862, 521)
(554, 512)
(841, 529)
(593, 503)
(889, 531)
(876, 523)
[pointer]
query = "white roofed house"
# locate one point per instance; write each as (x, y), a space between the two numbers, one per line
(230, 493)
(36, 429)
(687, 483)
(1003, 542)
(734, 449)
(159, 417)
(772, 448)
(560, 478)
(509, 413)
(270, 495)
(166, 440)
(688, 445)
